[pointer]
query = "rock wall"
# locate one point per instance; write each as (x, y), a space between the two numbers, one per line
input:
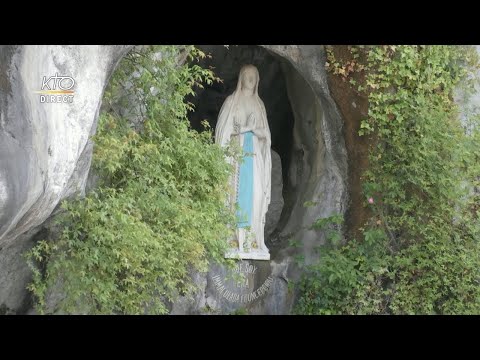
(45, 150)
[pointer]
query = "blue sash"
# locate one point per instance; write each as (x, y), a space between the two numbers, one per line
(245, 186)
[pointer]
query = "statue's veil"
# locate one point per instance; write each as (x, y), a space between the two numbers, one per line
(224, 126)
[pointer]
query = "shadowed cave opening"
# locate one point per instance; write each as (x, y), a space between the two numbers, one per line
(226, 64)
(272, 90)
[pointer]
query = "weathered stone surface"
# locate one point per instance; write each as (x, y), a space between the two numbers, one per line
(276, 204)
(45, 150)
(15, 274)
(318, 170)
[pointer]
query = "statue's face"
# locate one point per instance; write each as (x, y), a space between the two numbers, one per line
(249, 79)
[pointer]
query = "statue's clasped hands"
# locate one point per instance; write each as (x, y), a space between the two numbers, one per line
(249, 126)
(258, 131)
(238, 129)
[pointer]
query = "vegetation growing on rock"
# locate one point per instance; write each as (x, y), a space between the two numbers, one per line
(419, 252)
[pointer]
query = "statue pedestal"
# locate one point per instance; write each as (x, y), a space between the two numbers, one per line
(250, 255)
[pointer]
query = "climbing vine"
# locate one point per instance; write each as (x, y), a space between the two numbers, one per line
(420, 251)
(158, 211)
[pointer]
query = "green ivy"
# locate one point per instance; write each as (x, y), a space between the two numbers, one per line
(420, 251)
(159, 211)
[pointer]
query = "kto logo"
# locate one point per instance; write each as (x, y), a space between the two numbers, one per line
(57, 89)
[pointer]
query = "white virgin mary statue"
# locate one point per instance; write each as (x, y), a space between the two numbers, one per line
(243, 119)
